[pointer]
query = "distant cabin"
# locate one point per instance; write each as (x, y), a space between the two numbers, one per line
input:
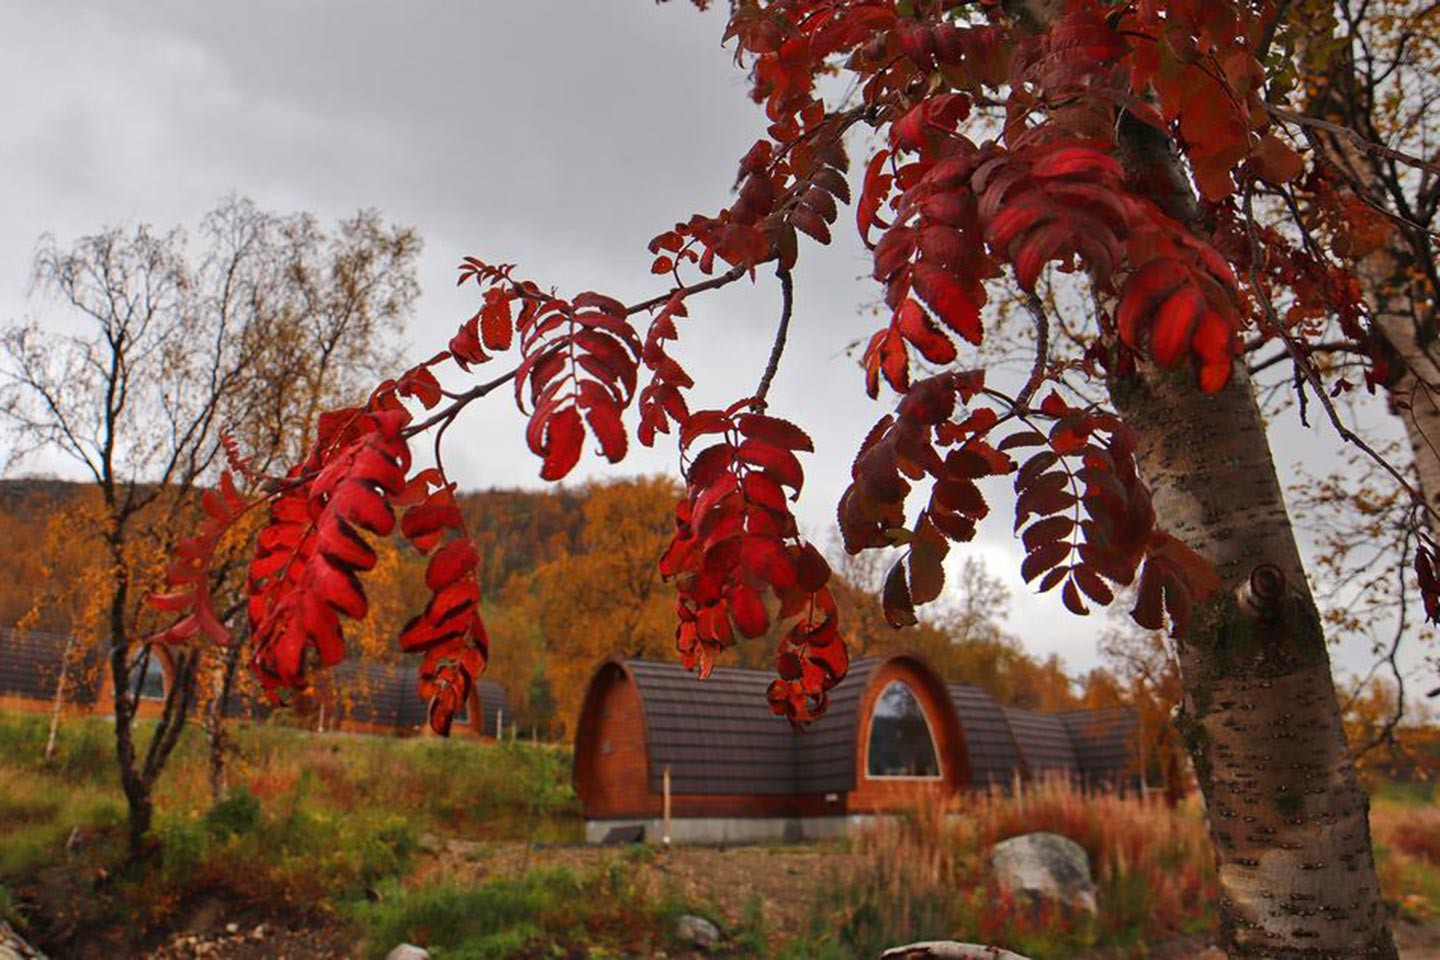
(895, 734)
(356, 696)
(363, 696)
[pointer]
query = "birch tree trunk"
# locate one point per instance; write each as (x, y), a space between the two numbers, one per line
(57, 706)
(1288, 816)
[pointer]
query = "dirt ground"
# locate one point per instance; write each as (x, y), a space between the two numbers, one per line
(723, 877)
(212, 927)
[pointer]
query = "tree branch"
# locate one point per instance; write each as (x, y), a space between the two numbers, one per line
(787, 303)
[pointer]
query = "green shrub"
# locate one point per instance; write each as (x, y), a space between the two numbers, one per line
(184, 844)
(604, 910)
(238, 813)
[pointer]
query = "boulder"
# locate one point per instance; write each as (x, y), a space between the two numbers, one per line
(697, 931)
(408, 951)
(1047, 869)
(14, 947)
(948, 950)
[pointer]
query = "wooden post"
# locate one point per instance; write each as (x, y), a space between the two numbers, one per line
(499, 724)
(665, 779)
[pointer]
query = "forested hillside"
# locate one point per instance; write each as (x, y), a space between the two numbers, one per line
(568, 577)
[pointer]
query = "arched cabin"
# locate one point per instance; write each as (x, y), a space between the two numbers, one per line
(894, 733)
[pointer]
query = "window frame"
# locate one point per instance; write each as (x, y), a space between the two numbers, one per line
(939, 774)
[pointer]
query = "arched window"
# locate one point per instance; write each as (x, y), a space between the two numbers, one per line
(900, 741)
(152, 687)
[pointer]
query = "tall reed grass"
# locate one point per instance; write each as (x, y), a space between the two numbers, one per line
(925, 875)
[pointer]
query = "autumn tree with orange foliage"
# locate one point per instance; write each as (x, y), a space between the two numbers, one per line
(605, 596)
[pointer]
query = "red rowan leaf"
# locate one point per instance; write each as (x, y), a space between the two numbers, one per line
(774, 431)
(1071, 598)
(1094, 587)
(898, 607)
(961, 496)
(1149, 602)
(927, 573)
(915, 326)
(811, 569)
(1275, 161)
(770, 561)
(564, 434)
(702, 422)
(777, 462)
(1052, 578)
(1173, 323)
(748, 611)
(1042, 558)
(496, 322)
(956, 306)
(1046, 531)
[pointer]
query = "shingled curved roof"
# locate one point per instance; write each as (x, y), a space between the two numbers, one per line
(1044, 742)
(717, 735)
(30, 666)
(1104, 741)
(994, 755)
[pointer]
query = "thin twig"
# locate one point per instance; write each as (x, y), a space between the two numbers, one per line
(1042, 350)
(787, 304)
(462, 398)
(728, 277)
(1367, 146)
(1309, 373)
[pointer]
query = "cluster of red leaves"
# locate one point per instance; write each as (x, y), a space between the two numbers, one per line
(579, 362)
(187, 578)
(448, 631)
(1088, 519)
(579, 357)
(782, 190)
(662, 401)
(1086, 516)
(1043, 201)
(309, 557)
(735, 540)
(901, 448)
(315, 547)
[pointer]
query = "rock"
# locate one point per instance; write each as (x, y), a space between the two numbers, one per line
(697, 931)
(258, 933)
(408, 951)
(1046, 868)
(232, 928)
(948, 950)
(14, 947)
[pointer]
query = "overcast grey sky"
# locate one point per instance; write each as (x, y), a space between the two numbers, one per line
(559, 134)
